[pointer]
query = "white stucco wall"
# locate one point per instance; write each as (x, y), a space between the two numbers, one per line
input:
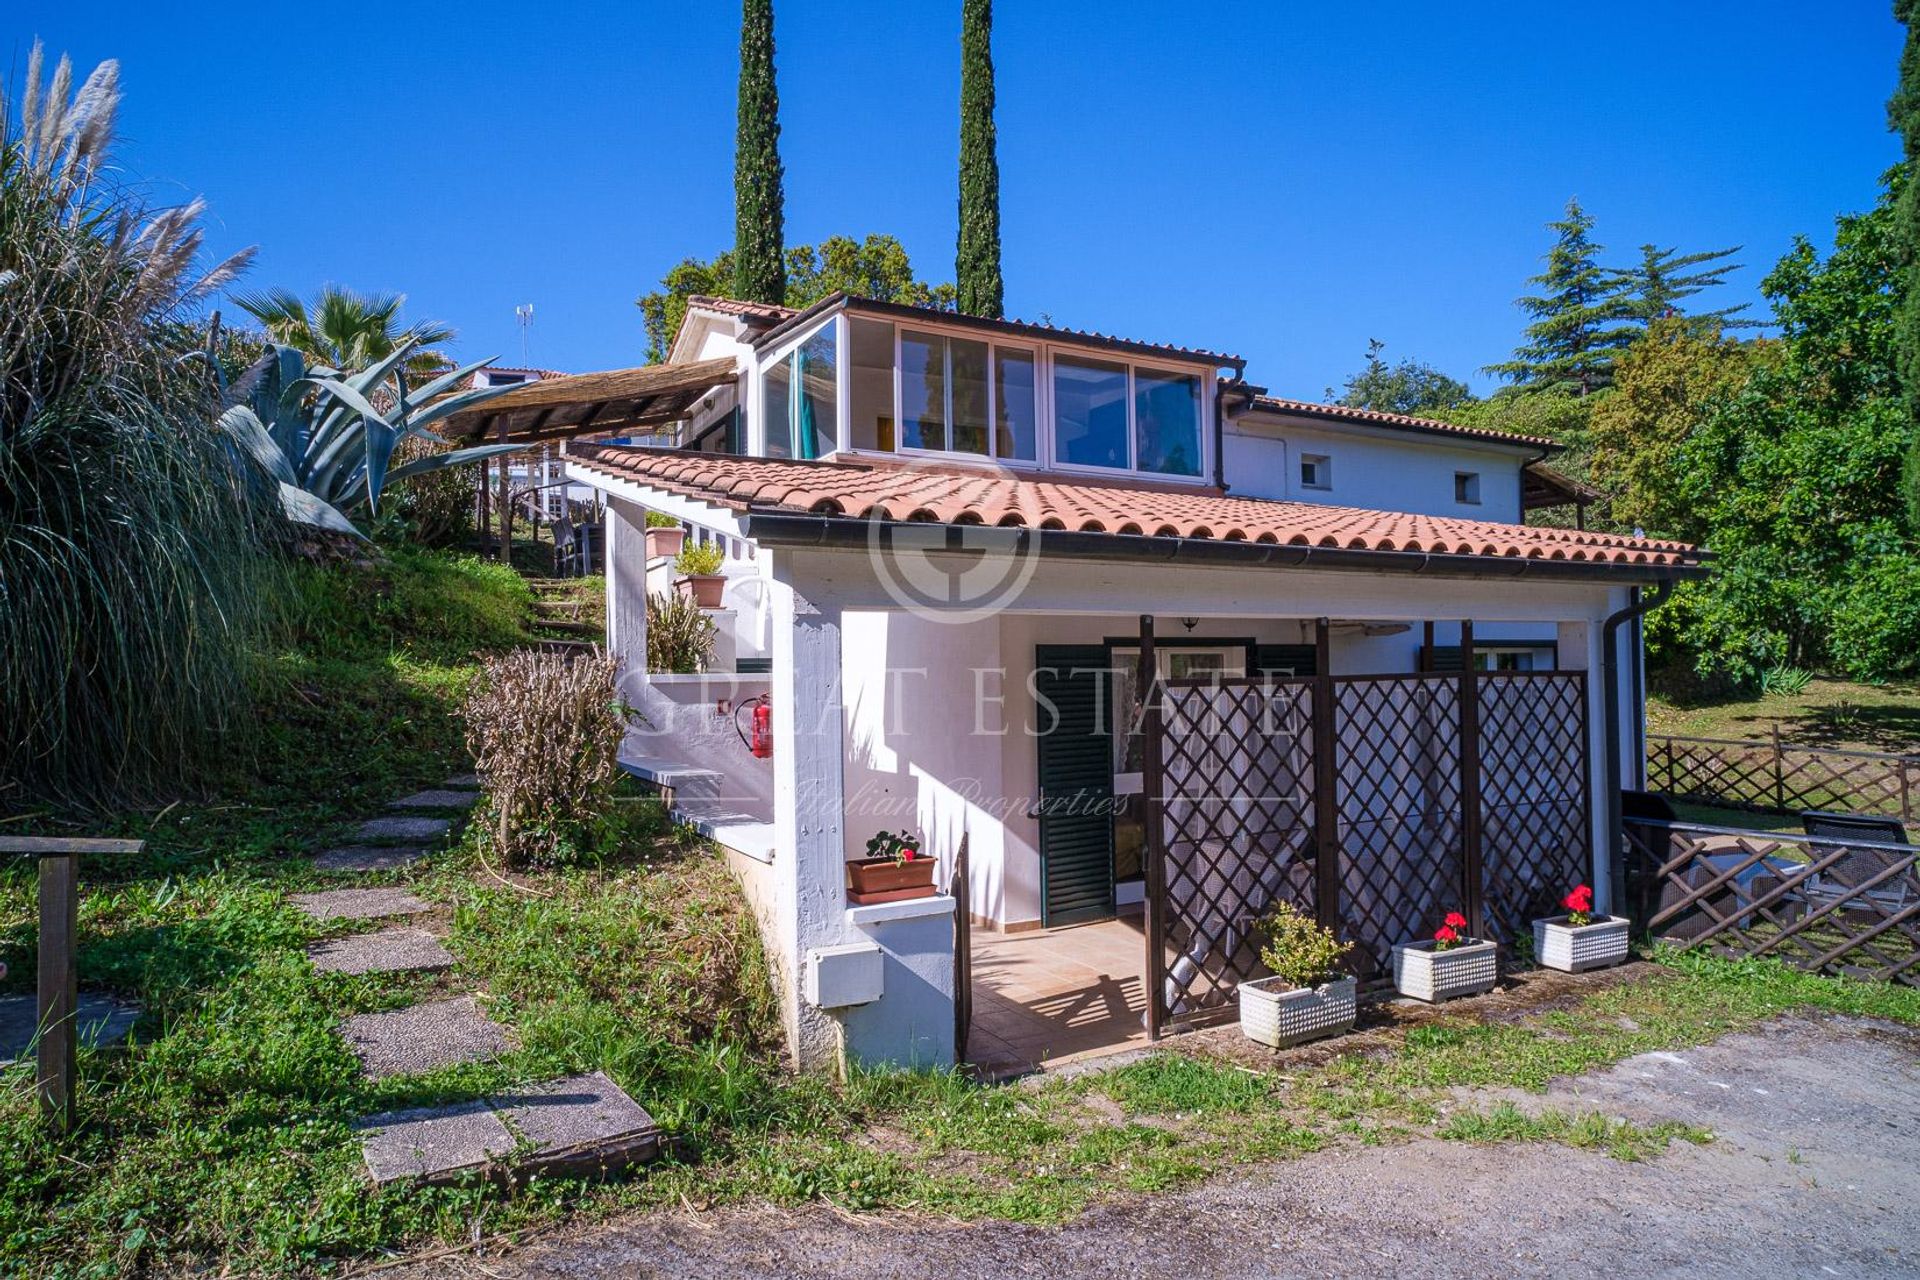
(1374, 469)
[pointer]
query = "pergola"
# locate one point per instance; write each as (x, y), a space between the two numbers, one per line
(593, 403)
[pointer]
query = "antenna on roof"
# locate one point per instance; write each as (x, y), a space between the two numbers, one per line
(524, 314)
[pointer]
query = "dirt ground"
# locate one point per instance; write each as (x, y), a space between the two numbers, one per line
(1813, 1172)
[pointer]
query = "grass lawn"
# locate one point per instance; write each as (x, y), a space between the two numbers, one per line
(221, 1138)
(1827, 713)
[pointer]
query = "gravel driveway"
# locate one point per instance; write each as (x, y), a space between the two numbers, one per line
(1815, 1171)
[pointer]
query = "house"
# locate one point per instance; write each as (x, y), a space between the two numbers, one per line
(956, 552)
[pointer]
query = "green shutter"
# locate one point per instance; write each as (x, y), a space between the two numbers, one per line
(1076, 769)
(1286, 659)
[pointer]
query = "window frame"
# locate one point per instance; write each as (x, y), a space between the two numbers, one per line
(1467, 488)
(1323, 468)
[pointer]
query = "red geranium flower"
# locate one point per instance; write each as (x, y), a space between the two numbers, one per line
(1581, 899)
(908, 854)
(1446, 933)
(1455, 920)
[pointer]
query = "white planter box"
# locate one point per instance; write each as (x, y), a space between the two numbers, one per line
(1464, 970)
(1277, 1013)
(1558, 945)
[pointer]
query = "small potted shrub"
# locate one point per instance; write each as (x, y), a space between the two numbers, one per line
(1449, 964)
(664, 536)
(896, 868)
(1577, 941)
(699, 566)
(1308, 997)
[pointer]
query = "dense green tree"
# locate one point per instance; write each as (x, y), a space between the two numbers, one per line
(347, 329)
(876, 267)
(1408, 387)
(1796, 478)
(1903, 114)
(1665, 278)
(977, 262)
(1577, 326)
(759, 233)
(1663, 387)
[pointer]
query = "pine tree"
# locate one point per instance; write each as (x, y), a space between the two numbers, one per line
(1576, 331)
(759, 264)
(1665, 278)
(1903, 114)
(977, 262)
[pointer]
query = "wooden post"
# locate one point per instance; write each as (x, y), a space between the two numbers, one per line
(59, 985)
(1326, 799)
(1426, 647)
(1779, 772)
(1152, 783)
(1472, 886)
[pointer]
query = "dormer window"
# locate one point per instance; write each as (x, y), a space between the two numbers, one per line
(1466, 487)
(1316, 471)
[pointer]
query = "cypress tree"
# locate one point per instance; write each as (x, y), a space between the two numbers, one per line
(1903, 114)
(1576, 330)
(759, 265)
(977, 263)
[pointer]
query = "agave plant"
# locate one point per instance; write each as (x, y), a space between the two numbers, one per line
(323, 436)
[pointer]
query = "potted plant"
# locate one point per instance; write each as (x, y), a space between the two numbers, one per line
(1576, 941)
(1449, 964)
(699, 566)
(1307, 997)
(664, 536)
(896, 868)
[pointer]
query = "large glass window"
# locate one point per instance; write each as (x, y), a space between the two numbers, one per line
(778, 405)
(923, 391)
(967, 375)
(1166, 421)
(870, 416)
(1090, 412)
(817, 373)
(1018, 410)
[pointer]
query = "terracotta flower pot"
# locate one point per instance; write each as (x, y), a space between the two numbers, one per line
(1276, 1013)
(705, 589)
(872, 880)
(1465, 969)
(1577, 948)
(663, 541)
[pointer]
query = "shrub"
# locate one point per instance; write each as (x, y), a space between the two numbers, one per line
(437, 506)
(1785, 681)
(697, 559)
(1299, 948)
(679, 635)
(545, 731)
(661, 520)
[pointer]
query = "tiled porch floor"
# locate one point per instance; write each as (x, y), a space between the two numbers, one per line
(1042, 997)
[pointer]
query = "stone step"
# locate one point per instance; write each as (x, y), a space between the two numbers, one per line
(366, 857)
(568, 628)
(437, 798)
(579, 1126)
(388, 951)
(421, 1037)
(100, 1021)
(402, 829)
(359, 904)
(463, 782)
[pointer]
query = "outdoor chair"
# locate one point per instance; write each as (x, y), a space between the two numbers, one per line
(1834, 832)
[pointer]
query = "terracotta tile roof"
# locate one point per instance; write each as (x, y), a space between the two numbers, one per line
(956, 495)
(761, 312)
(1401, 421)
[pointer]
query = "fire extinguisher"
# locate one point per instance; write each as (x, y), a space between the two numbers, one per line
(761, 742)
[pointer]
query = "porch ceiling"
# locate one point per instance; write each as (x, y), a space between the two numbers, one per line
(613, 400)
(1124, 519)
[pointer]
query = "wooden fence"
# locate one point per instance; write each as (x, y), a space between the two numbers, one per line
(1836, 906)
(1783, 777)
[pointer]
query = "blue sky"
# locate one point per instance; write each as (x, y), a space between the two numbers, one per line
(1281, 180)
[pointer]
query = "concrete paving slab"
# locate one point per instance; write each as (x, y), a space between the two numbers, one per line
(359, 904)
(464, 781)
(437, 798)
(435, 1144)
(424, 1036)
(102, 1021)
(367, 857)
(399, 830)
(580, 1125)
(389, 951)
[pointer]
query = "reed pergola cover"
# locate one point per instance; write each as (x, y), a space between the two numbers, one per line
(594, 403)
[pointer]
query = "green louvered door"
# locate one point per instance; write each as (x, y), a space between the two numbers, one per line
(1076, 783)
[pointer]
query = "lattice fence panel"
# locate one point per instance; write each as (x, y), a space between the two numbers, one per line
(1829, 905)
(1397, 753)
(1535, 841)
(1237, 778)
(1784, 777)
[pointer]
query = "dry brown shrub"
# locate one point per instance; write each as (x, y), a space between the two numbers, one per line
(545, 731)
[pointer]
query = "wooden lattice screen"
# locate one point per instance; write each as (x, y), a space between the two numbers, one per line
(1783, 777)
(1828, 904)
(1535, 815)
(1237, 776)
